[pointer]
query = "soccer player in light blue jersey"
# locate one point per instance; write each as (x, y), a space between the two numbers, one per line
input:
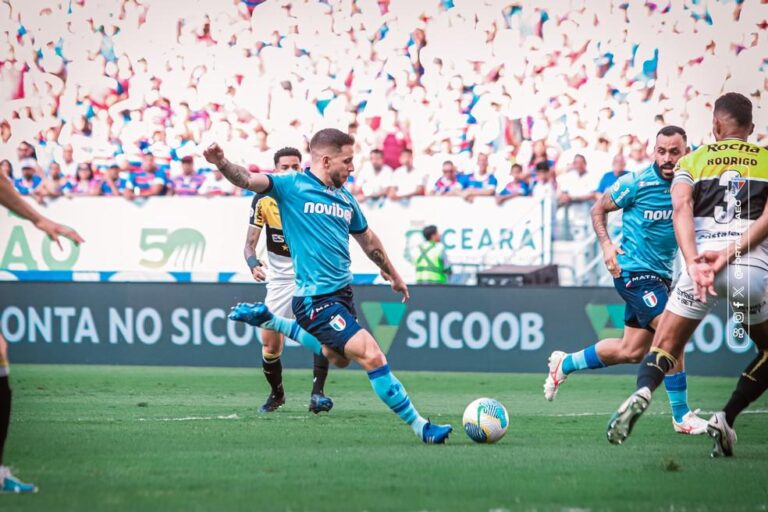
(642, 272)
(318, 216)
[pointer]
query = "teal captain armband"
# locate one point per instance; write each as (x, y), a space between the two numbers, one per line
(253, 262)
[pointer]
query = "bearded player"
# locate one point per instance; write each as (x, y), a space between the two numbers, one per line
(642, 273)
(319, 215)
(720, 204)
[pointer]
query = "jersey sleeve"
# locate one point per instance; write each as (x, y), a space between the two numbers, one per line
(358, 224)
(280, 185)
(683, 171)
(256, 217)
(624, 190)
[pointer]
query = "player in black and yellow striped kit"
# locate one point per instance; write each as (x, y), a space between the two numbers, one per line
(265, 217)
(720, 215)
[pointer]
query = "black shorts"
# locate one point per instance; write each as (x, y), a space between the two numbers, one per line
(645, 294)
(331, 318)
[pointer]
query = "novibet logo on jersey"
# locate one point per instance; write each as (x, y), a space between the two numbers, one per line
(383, 320)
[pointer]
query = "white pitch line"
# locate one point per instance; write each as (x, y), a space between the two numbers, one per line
(559, 415)
(577, 414)
(194, 418)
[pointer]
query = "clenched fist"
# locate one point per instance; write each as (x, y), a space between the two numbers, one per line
(214, 154)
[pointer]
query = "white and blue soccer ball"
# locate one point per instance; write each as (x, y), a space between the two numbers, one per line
(485, 420)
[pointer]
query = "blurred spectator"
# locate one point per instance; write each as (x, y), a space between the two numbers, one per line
(55, 185)
(517, 186)
(432, 264)
(6, 169)
(480, 182)
(406, 182)
(638, 157)
(601, 158)
(67, 161)
(534, 81)
(188, 183)
(448, 184)
(112, 184)
(544, 185)
(261, 155)
(148, 181)
(540, 154)
(30, 179)
(618, 169)
(577, 185)
(374, 179)
(26, 151)
(84, 182)
(395, 140)
(215, 184)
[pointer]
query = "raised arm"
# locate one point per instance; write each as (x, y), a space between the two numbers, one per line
(600, 210)
(14, 202)
(237, 175)
(373, 248)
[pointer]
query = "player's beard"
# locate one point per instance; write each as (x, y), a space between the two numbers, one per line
(338, 179)
(667, 171)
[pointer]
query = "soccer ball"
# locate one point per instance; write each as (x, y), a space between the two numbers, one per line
(485, 420)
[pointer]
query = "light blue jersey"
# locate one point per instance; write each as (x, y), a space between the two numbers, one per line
(648, 238)
(317, 220)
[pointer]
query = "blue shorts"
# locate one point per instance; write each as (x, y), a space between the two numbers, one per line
(646, 295)
(330, 318)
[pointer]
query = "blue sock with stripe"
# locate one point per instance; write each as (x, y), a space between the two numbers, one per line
(391, 392)
(293, 330)
(586, 359)
(677, 391)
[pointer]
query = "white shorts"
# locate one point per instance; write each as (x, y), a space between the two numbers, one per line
(744, 287)
(280, 297)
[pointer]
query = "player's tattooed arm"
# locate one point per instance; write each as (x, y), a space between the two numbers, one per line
(236, 174)
(373, 248)
(600, 210)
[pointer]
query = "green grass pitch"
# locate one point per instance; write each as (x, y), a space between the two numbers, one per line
(142, 439)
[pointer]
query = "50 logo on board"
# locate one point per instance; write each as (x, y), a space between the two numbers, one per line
(20, 254)
(181, 248)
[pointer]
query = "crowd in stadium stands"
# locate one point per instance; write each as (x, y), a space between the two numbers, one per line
(444, 97)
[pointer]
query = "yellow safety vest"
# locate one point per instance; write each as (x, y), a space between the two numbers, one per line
(429, 265)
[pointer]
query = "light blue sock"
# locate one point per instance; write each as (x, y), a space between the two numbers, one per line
(392, 393)
(582, 360)
(677, 391)
(293, 330)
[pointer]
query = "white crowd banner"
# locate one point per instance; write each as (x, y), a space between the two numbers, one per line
(206, 235)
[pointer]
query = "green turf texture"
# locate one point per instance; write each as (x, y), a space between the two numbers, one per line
(103, 438)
